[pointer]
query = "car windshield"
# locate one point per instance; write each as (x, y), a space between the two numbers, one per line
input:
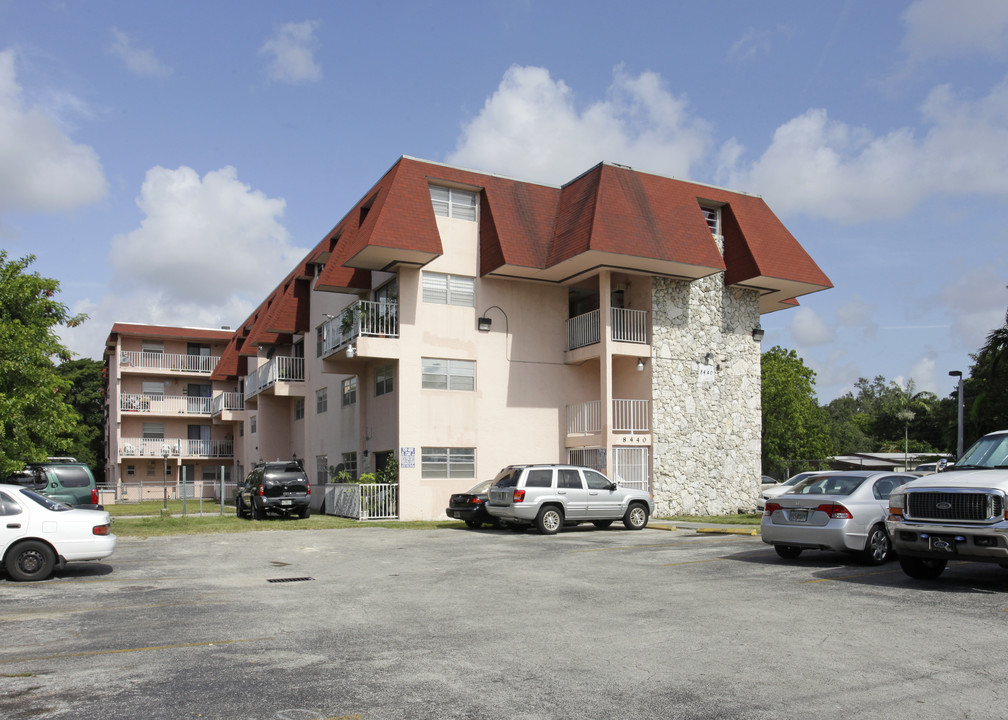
(481, 488)
(797, 478)
(45, 502)
(987, 452)
(508, 477)
(828, 485)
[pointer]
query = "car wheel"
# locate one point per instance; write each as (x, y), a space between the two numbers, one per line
(601, 524)
(549, 520)
(304, 512)
(788, 552)
(470, 523)
(636, 517)
(31, 560)
(257, 512)
(879, 547)
(922, 568)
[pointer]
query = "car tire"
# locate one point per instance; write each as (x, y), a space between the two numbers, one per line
(257, 512)
(636, 517)
(788, 552)
(473, 524)
(878, 548)
(922, 568)
(30, 560)
(601, 524)
(549, 520)
(304, 513)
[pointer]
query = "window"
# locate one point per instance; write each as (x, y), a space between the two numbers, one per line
(299, 409)
(321, 469)
(252, 425)
(241, 429)
(350, 463)
(153, 431)
(448, 462)
(153, 388)
(349, 391)
(442, 374)
(153, 346)
(383, 380)
(713, 217)
(539, 478)
(443, 289)
(454, 203)
(320, 337)
(321, 400)
(596, 480)
(198, 349)
(131, 469)
(569, 479)
(212, 472)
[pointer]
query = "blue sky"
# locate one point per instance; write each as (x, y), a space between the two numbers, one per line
(170, 162)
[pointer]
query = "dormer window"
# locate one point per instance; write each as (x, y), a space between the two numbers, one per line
(453, 202)
(713, 217)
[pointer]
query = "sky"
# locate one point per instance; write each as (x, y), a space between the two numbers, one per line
(170, 162)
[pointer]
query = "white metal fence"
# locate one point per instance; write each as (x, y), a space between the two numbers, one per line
(363, 501)
(627, 416)
(174, 447)
(227, 401)
(202, 493)
(278, 369)
(164, 404)
(364, 318)
(173, 362)
(630, 467)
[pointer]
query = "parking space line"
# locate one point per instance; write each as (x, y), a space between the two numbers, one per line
(93, 653)
(677, 543)
(692, 562)
(847, 577)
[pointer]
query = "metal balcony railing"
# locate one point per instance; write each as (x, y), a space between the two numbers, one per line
(365, 318)
(163, 404)
(171, 362)
(227, 401)
(627, 325)
(174, 448)
(631, 416)
(278, 369)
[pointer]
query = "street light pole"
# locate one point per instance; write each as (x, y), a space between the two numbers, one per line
(959, 444)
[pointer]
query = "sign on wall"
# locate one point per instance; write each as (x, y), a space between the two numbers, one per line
(407, 457)
(706, 374)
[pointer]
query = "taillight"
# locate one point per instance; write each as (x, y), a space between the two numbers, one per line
(475, 501)
(519, 496)
(770, 507)
(261, 493)
(835, 511)
(307, 488)
(100, 530)
(94, 496)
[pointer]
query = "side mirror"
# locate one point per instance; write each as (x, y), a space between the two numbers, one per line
(942, 465)
(613, 486)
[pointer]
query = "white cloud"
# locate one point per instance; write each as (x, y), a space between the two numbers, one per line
(923, 375)
(41, 168)
(827, 168)
(531, 128)
(139, 61)
(291, 50)
(938, 29)
(808, 328)
(977, 300)
(203, 241)
(755, 42)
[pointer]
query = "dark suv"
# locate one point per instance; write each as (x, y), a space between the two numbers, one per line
(62, 479)
(275, 487)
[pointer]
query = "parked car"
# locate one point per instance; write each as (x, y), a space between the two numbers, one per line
(783, 487)
(839, 511)
(38, 533)
(63, 479)
(280, 488)
(551, 496)
(470, 506)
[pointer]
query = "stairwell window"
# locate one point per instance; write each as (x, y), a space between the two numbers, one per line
(444, 289)
(321, 400)
(445, 374)
(349, 391)
(453, 202)
(383, 380)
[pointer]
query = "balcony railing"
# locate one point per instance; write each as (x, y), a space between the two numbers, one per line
(174, 447)
(627, 416)
(365, 318)
(172, 362)
(163, 404)
(278, 369)
(227, 401)
(627, 326)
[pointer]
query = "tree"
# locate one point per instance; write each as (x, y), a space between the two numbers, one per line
(795, 428)
(986, 390)
(35, 418)
(85, 395)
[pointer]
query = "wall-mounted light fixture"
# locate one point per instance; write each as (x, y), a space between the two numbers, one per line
(758, 333)
(483, 324)
(350, 351)
(640, 364)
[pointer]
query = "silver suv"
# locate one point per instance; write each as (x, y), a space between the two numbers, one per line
(555, 495)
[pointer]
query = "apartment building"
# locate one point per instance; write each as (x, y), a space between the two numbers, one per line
(458, 322)
(160, 429)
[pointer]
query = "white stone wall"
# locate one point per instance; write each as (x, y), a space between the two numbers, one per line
(706, 454)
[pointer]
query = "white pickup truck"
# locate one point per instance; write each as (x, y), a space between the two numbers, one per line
(961, 514)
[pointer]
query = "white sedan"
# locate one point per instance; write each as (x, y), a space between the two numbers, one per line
(38, 534)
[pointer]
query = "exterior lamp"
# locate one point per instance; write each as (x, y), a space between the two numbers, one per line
(640, 364)
(483, 324)
(757, 333)
(350, 351)
(959, 443)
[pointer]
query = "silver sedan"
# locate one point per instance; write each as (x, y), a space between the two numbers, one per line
(839, 511)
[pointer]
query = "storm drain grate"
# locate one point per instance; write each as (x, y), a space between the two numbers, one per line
(301, 579)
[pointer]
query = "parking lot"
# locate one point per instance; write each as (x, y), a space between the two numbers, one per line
(452, 623)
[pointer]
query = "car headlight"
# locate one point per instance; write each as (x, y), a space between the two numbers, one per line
(897, 502)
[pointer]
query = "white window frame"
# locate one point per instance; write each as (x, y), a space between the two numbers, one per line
(153, 346)
(384, 377)
(447, 462)
(712, 215)
(153, 387)
(454, 202)
(446, 289)
(321, 400)
(349, 391)
(350, 463)
(448, 374)
(321, 469)
(153, 431)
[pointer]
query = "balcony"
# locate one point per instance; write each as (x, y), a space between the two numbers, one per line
(628, 417)
(174, 448)
(277, 370)
(164, 404)
(167, 362)
(227, 401)
(365, 318)
(627, 325)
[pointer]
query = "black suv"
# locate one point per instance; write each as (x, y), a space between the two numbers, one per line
(61, 478)
(275, 487)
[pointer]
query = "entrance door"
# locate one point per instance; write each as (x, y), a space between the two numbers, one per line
(187, 477)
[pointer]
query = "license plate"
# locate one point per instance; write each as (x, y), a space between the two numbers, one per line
(798, 516)
(942, 544)
(286, 502)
